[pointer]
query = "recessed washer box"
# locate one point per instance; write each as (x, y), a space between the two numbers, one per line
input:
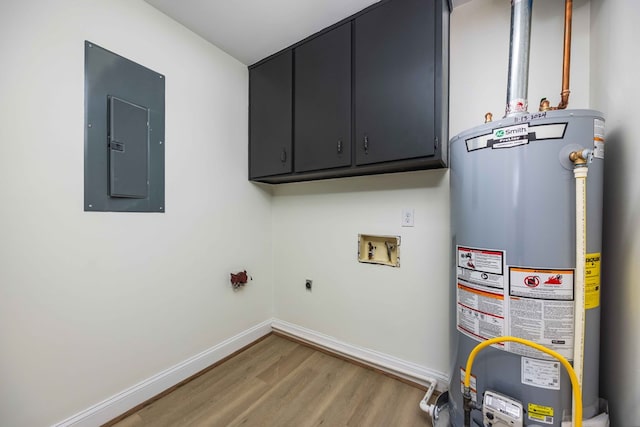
(384, 250)
(124, 134)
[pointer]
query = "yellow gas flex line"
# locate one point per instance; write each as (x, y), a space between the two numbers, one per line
(577, 393)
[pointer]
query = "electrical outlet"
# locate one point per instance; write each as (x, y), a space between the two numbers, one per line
(407, 217)
(307, 284)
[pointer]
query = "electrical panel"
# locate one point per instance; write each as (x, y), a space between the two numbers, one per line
(124, 134)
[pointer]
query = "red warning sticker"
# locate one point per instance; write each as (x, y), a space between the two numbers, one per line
(541, 283)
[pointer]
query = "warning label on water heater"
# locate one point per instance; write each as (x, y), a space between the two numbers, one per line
(480, 313)
(480, 309)
(541, 283)
(592, 281)
(541, 310)
(484, 267)
(473, 385)
(540, 413)
(598, 138)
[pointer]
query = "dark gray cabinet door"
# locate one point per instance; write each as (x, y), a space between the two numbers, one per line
(270, 117)
(394, 82)
(322, 88)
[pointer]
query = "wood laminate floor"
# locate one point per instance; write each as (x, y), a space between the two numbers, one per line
(280, 383)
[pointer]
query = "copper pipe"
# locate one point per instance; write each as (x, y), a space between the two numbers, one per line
(566, 56)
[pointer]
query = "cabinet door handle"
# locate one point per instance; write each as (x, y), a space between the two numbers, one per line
(365, 144)
(339, 146)
(283, 155)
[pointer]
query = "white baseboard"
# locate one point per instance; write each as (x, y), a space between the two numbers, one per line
(398, 367)
(120, 403)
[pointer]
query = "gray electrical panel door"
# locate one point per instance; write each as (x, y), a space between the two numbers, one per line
(128, 149)
(124, 134)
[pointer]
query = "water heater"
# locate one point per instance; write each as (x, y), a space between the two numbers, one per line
(526, 218)
(513, 207)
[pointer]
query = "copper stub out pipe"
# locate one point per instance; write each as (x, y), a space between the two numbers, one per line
(545, 105)
(566, 56)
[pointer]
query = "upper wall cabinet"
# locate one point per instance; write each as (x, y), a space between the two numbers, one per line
(322, 93)
(394, 82)
(366, 95)
(270, 117)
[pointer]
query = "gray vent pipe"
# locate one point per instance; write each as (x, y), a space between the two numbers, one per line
(517, 84)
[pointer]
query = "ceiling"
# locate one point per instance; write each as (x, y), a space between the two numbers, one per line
(250, 30)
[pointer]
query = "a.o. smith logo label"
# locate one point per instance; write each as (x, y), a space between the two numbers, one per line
(511, 136)
(515, 135)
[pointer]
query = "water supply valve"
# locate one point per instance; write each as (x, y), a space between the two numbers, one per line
(239, 279)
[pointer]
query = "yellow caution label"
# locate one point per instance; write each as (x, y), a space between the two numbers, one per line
(592, 281)
(540, 413)
(540, 410)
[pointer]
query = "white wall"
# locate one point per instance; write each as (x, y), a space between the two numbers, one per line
(316, 227)
(405, 312)
(92, 303)
(480, 58)
(615, 35)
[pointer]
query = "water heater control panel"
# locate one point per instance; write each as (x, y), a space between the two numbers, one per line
(501, 411)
